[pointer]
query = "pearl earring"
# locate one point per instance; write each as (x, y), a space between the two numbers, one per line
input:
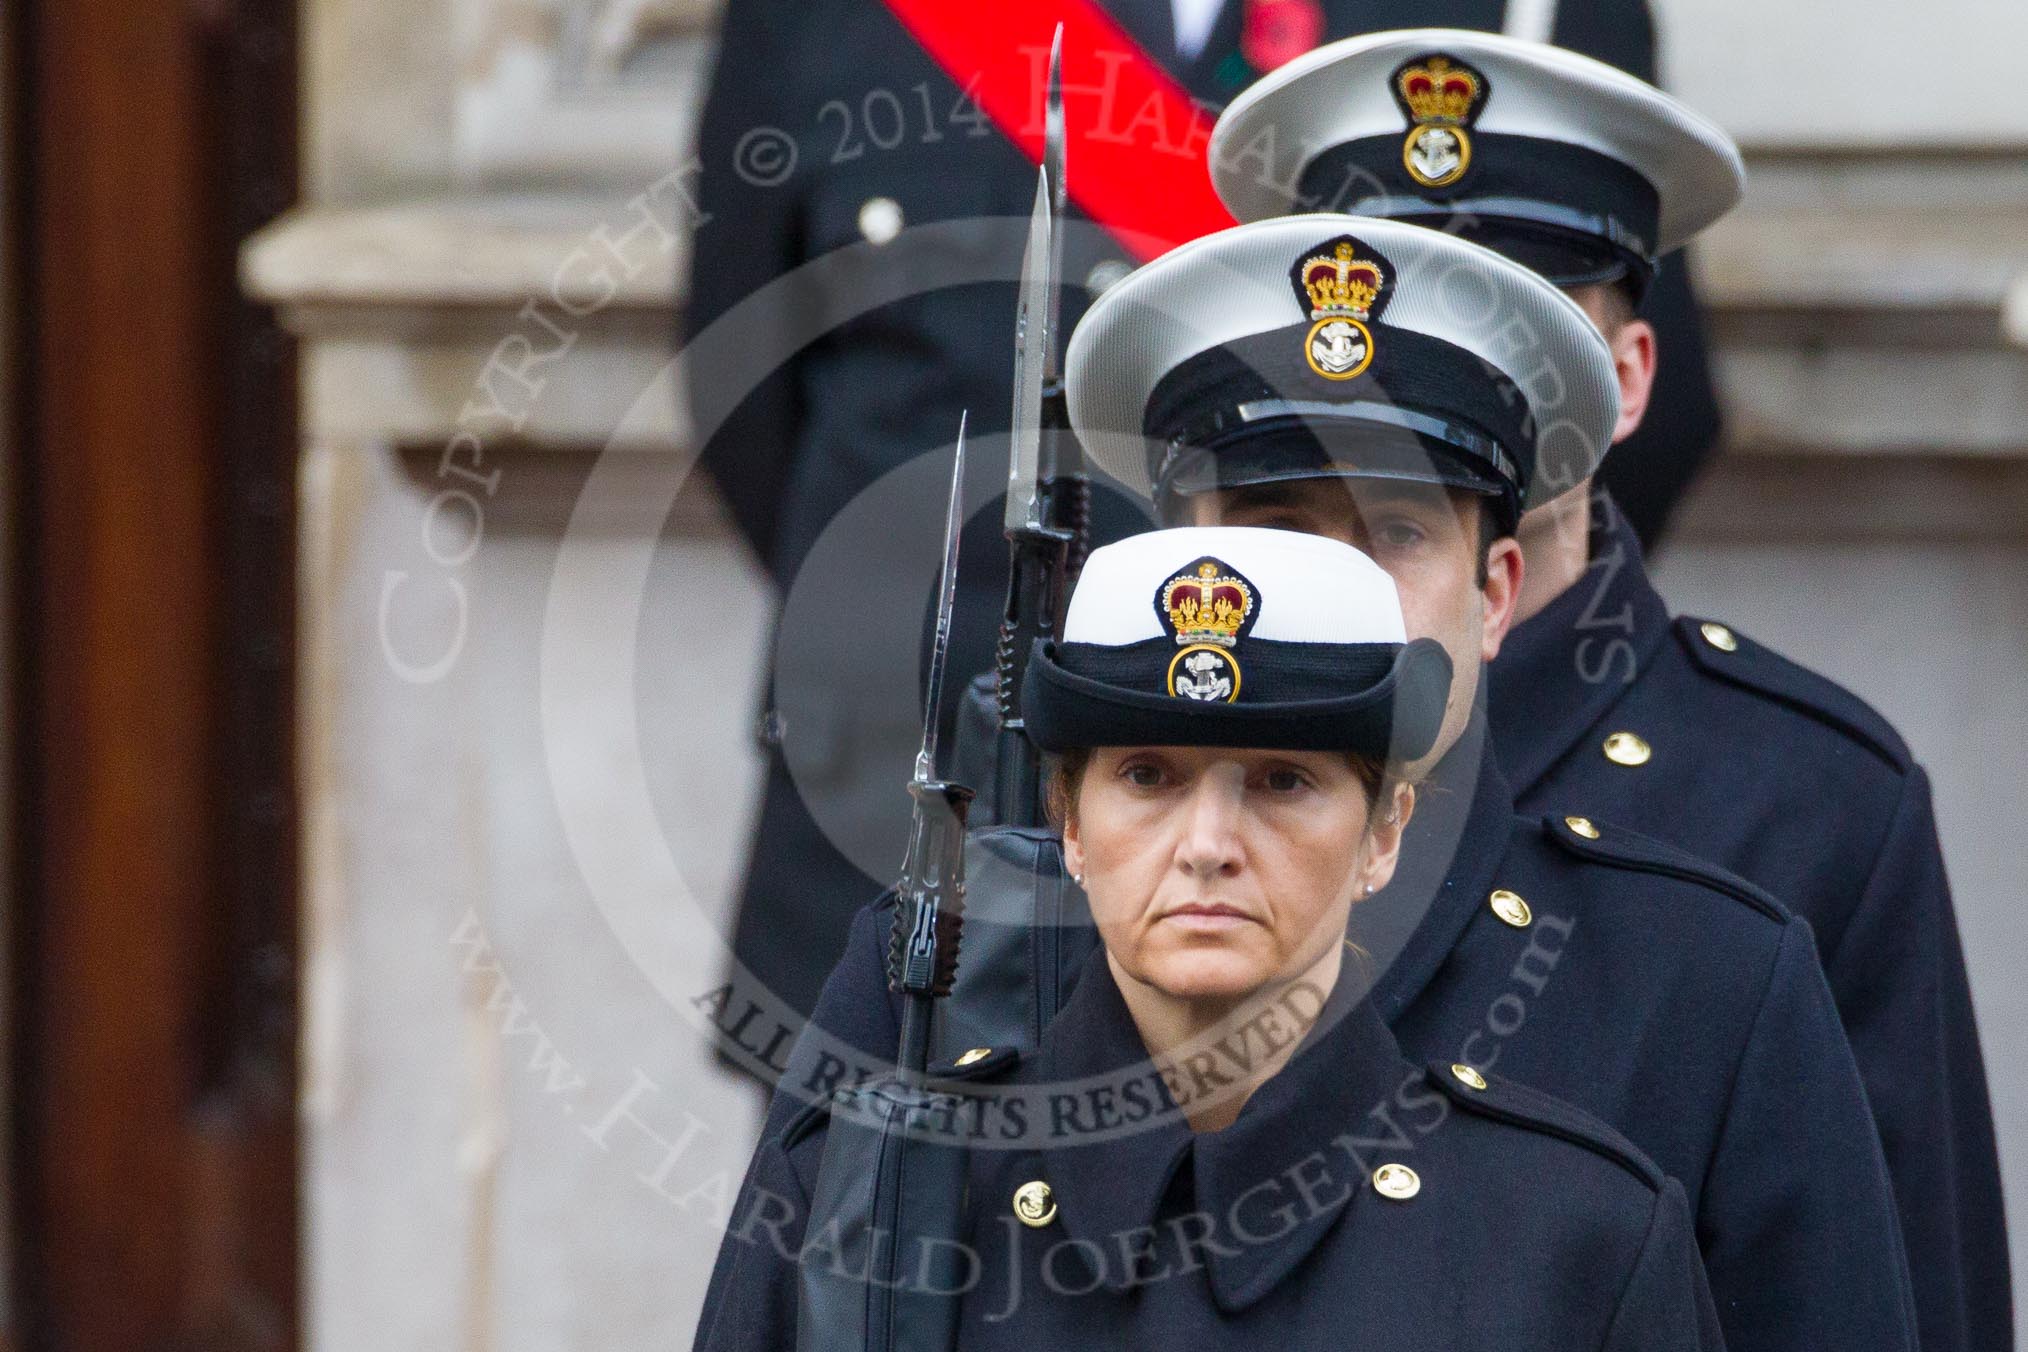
(1369, 889)
(1077, 878)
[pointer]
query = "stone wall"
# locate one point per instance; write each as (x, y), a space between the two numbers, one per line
(516, 1136)
(1845, 73)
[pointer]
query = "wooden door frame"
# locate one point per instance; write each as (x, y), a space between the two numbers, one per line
(152, 1144)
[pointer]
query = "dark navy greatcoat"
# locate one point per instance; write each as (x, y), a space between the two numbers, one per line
(876, 126)
(1679, 1004)
(1534, 1228)
(1798, 786)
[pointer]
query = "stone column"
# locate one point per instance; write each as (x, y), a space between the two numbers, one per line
(516, 1135)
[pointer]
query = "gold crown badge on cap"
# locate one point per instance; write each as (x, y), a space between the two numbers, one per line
(1442, 97)
(1344, 286)
(1206, 608)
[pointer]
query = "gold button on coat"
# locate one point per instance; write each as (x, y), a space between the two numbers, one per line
(976, 1054)
(1719, 637)
(1468, 1077)
(880, 219)
(1583, 827)
(1628, 748)
(1511, 908)
(1035, 1204)
(1396, 1181)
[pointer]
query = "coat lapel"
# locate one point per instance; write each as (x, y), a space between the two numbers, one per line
(1247, 1174)
(1464, 815)
(1115, 1185)
(1346, 1069)
(1561, 673)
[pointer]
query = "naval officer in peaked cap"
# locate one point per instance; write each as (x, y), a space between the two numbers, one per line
(1406, 392)
(1234, 708)
(1679, 727)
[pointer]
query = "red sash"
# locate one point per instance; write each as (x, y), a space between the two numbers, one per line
(1135, 139)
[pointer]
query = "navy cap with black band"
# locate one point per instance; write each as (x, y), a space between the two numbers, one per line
(1334, 346)
(1236, 636)
(1571, 167)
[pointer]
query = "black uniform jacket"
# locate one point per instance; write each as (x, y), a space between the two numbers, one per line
(880, 135)
(1535, 1227)
(1799, 786)
(1676, 1002)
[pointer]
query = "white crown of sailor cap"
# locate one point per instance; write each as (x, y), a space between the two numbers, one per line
(1307, 589)
(1235, 283)
(1341, 92)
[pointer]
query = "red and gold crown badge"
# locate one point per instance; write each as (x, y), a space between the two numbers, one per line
(1343, 285)
(1207, 603)
(1206, 608)
(1441, 97)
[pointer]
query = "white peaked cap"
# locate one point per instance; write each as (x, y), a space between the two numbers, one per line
(1341, 93)
(1233, 287)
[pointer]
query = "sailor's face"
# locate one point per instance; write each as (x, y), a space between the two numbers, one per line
(1216, 873)
(1425, 538)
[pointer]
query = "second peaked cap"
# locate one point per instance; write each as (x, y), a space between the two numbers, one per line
(1344, 347)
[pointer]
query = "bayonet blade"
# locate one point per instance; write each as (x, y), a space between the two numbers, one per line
(1031, 346)
(1055, 134)
(947, 599)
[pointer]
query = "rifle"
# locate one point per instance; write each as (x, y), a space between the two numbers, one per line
(922, 955)
(1048, 496)
(889, 1297)
(1063, 476)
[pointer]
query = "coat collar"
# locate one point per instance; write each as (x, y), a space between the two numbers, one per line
(1347, 1066)
(1464, 818)
(1562, 670)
